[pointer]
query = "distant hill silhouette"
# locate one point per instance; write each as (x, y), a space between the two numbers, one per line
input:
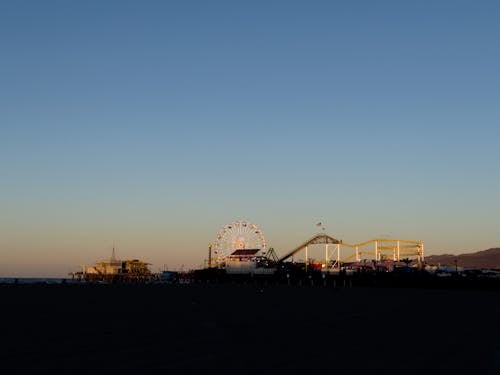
(482, 259)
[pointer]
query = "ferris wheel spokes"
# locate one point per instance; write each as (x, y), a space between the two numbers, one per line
(238, 235)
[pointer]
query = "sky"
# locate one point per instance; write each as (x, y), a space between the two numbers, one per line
(152, 124)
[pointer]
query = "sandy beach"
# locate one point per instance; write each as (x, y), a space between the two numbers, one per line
(92, 329)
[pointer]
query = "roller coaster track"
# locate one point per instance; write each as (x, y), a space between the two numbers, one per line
(316, 240)
(397, 247)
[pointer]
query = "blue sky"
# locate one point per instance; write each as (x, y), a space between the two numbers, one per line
(153, 124)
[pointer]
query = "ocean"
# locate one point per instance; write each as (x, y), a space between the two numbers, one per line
(34, 280)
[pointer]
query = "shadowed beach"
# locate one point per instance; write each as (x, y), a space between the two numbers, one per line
(89, 329)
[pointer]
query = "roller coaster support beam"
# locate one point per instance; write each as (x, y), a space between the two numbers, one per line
(307, 260)
(326, 254)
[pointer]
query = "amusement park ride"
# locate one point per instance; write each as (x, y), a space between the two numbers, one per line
(240, 247)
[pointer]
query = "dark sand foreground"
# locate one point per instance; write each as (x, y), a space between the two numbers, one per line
(84, 329)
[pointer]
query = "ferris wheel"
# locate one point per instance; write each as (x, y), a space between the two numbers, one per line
(238, 235)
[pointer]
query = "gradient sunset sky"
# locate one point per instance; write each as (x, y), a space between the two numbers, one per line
(154, 123)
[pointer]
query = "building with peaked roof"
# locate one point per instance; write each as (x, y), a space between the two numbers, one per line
(114, 269)
(119, 267)
(247, 261)
(243, 254)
